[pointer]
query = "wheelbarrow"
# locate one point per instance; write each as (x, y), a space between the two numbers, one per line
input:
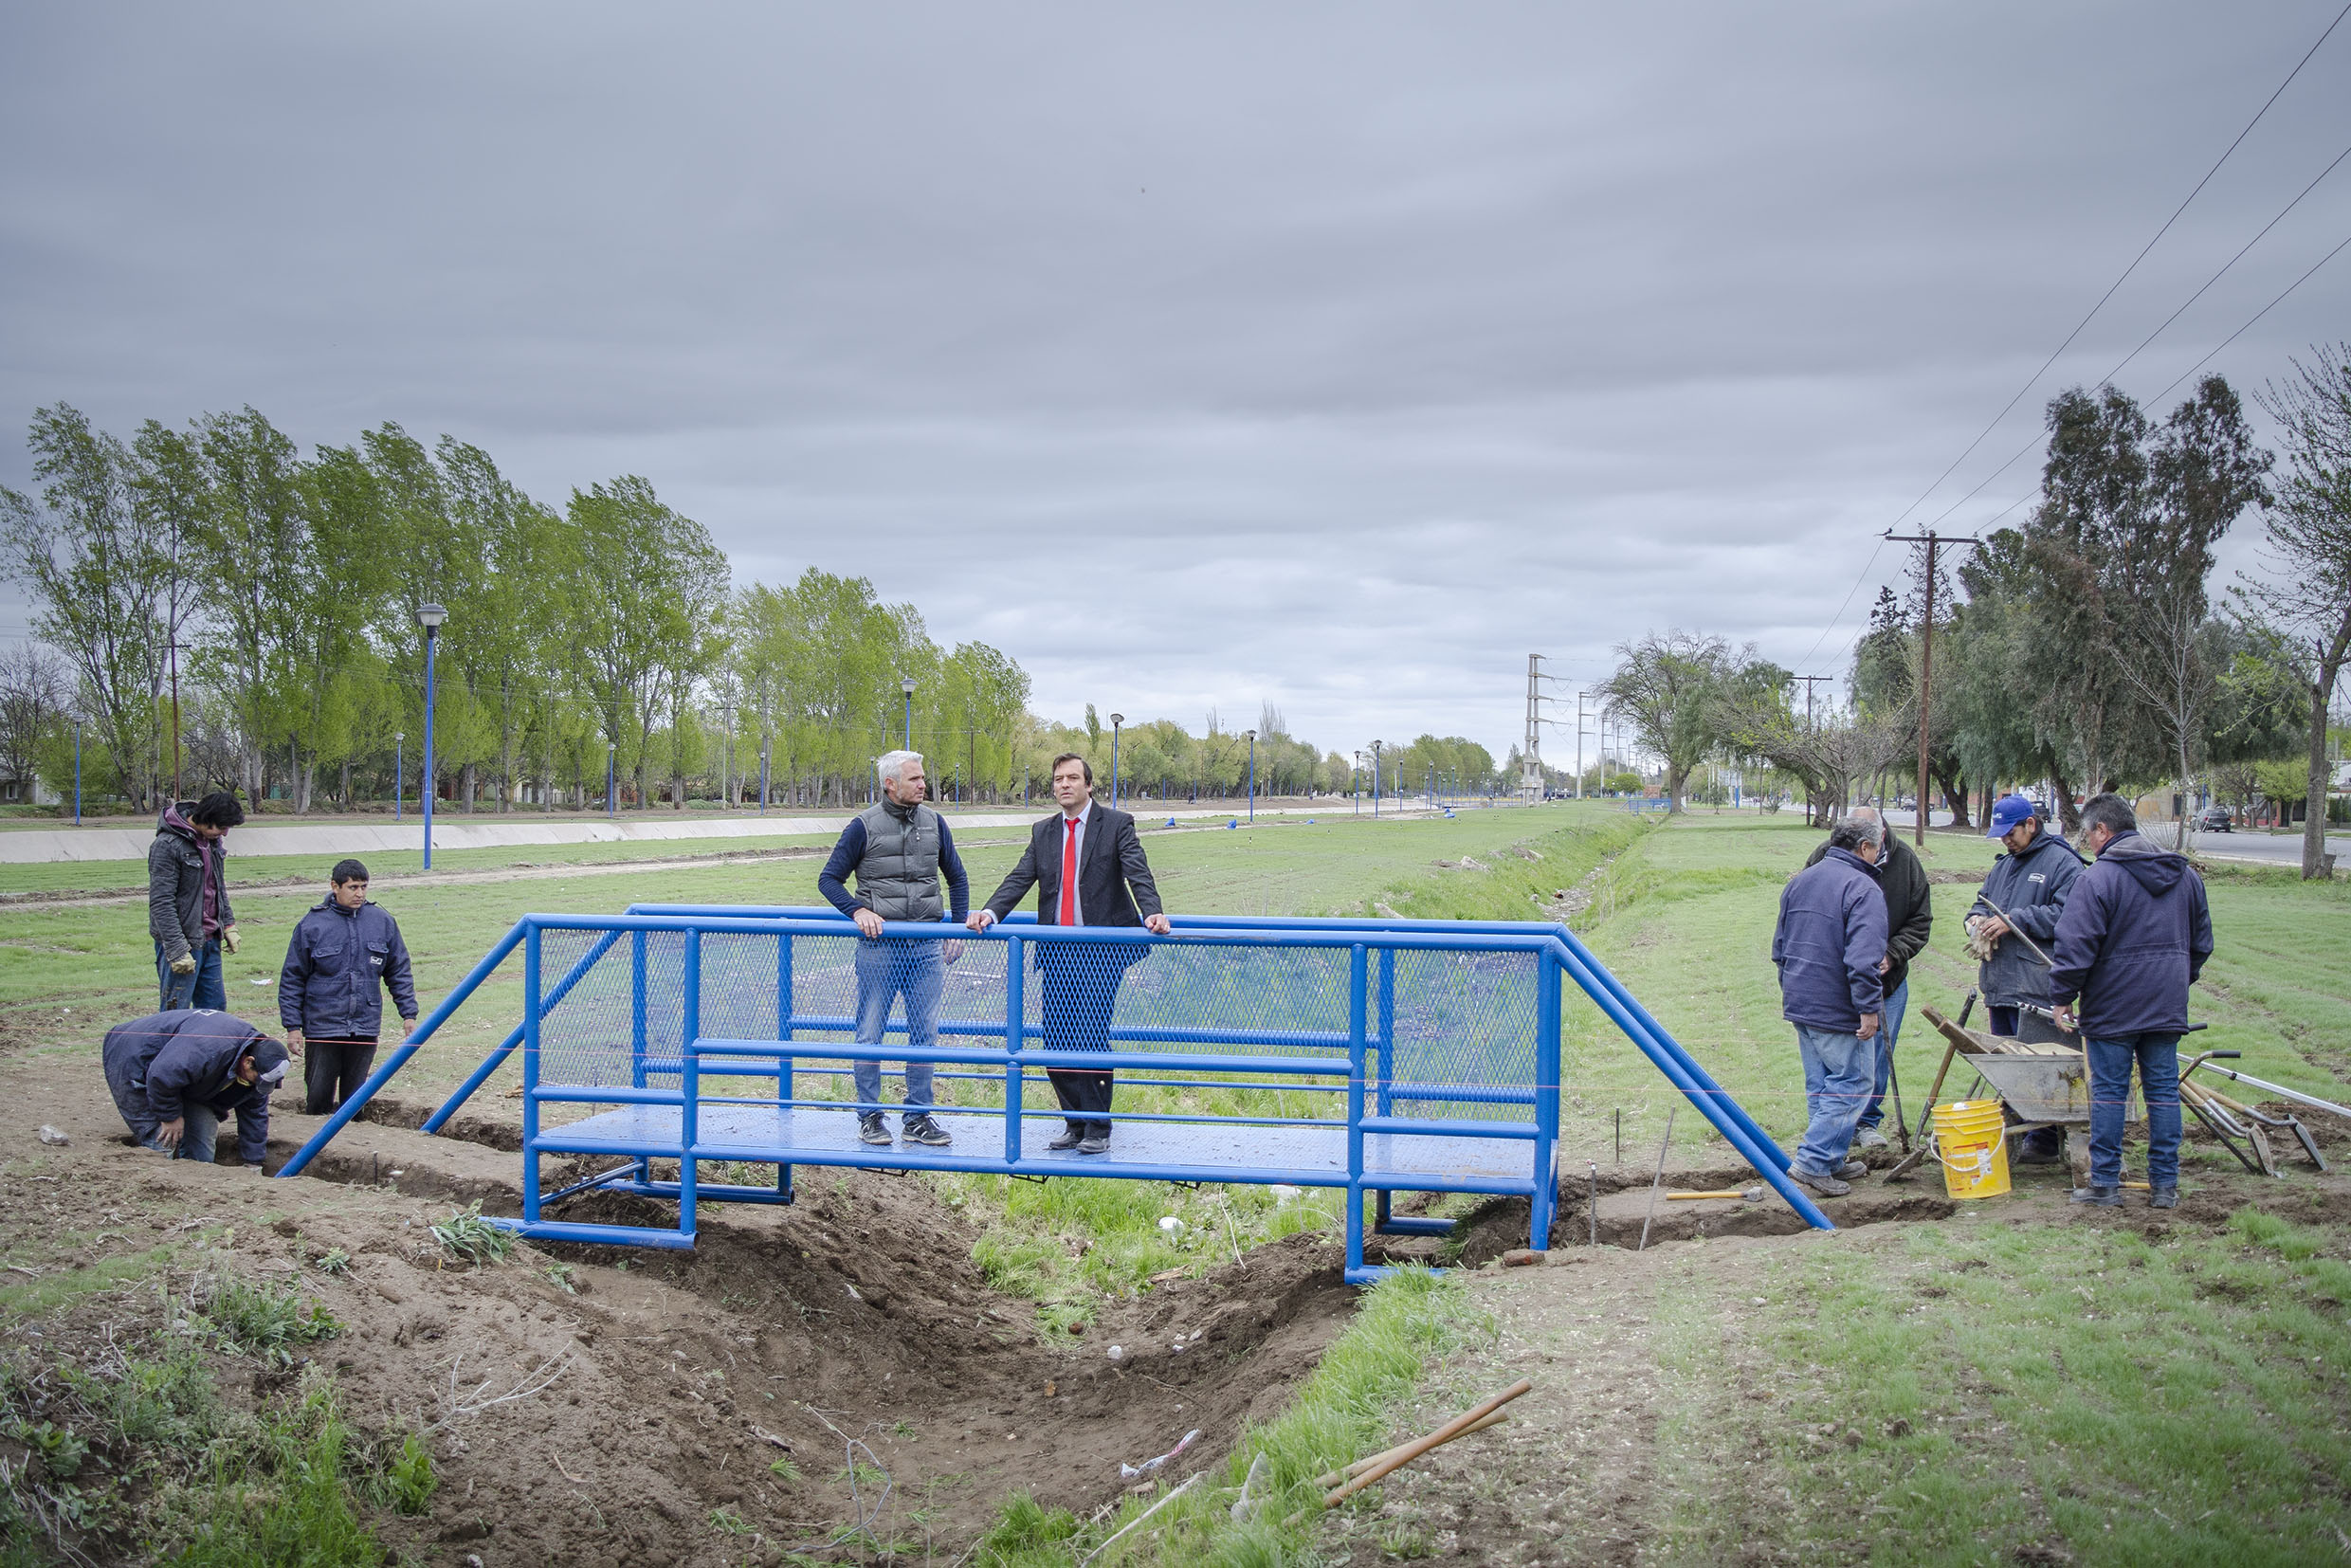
(2039, 1083)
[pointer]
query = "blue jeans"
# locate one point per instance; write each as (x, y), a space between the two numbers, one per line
(199, 1131)
(199, 989)
(2111, 1061)
(1838, 1072)
(1889, 1031)
(887, 971)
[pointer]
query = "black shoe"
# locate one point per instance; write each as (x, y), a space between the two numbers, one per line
(923, 1129)
(1070, 1138)
(1852, 1170)
(2099, 1197)
(1094, 1143)
(2163, 1198)
(870, 1128)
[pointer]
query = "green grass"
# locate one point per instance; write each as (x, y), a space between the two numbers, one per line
(2118, 1398)
(1338, 1416)
(281, 1504)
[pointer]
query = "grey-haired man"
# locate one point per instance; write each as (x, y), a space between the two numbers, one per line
(898, 848)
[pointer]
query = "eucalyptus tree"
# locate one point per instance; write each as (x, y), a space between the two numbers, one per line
(256, 547)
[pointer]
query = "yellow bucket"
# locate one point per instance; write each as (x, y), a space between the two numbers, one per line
(1970, 1143)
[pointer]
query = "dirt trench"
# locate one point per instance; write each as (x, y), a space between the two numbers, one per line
(848, 1327)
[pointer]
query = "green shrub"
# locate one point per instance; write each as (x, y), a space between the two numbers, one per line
(286, 1506)
(406, 1480)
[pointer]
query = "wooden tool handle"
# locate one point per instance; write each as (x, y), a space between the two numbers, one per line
(1398, 1457)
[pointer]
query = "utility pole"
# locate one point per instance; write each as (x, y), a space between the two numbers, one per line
(1581, 698)
(1530, 761)
(1808, 681)
(1926, 662)
(177, 791)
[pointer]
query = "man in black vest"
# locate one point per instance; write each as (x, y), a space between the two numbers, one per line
(1088, 866)
(898, 847)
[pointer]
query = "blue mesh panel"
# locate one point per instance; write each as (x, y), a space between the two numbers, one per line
(1466, 1022)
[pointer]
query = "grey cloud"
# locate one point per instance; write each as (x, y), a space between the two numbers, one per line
(1336, 355)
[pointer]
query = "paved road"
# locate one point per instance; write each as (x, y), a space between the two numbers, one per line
(2270, 849)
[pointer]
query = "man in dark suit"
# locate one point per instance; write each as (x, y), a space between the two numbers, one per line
(1088, 866)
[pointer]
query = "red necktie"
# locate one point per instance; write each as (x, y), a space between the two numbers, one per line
(1069, 871)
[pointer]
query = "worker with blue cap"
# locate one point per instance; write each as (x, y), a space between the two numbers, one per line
(2021, 897)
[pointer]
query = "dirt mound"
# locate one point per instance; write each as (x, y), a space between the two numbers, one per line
(803, 1370)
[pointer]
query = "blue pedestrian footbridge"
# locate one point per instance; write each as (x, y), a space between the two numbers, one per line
(1372, 1056)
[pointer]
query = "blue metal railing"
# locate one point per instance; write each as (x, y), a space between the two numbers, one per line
(1364, 1055)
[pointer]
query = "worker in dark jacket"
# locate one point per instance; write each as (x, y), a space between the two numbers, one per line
(188, 911)
(2132, 940)
(1909, 921)
(1829, 946)
(174, 1076)
(345, 952)
(2030, 883)
(897, 850)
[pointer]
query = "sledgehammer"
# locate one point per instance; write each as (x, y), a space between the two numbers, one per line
(1744, 1194)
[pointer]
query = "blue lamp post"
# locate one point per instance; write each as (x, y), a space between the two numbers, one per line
(1355, 783)
(1252, 784)
(611, 778)
(1116, 720)
(399, 770)
(907, 686)
(429, 616)
(1374, 778)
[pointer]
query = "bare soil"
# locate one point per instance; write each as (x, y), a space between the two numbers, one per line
(603, 1423)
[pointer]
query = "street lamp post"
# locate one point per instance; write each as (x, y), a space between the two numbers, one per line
(907, 686)
(429, 616)
(399, 772)
(764, 744)
(611, 781)
(77, 773)
(1374, 778)
(1116, 720)
(1252, 782)
(1355, 783)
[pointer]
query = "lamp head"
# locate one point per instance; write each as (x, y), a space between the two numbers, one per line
(907, 686)
(429, 616)
(1117, 719)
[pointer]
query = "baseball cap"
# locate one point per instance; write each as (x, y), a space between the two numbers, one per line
(2006, 811)
(268, 1060)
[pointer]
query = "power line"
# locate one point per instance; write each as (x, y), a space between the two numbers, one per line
(2118, 282)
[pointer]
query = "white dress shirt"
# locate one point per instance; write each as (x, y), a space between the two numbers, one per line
(1076, 855)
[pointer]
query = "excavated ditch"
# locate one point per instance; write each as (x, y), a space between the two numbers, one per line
(696, 1394)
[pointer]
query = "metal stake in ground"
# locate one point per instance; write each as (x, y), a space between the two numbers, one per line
(1596, 1202)
(1664, 1144)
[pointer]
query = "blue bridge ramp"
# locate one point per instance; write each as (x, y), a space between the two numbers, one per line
(1369, 1057)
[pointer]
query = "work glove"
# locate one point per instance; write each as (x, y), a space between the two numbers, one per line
(184, 964)
(1980, 947)
(228, 939)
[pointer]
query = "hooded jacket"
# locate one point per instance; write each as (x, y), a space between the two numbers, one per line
(180, 864)
(337, 963)
(2133, 938)
(2033, 888)
(1910, 905)
(157, 1064)
(1830, 935)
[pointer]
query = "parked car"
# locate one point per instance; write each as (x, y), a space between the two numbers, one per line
(2214, 819)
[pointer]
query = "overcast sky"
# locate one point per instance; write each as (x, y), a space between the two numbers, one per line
(1337, 356)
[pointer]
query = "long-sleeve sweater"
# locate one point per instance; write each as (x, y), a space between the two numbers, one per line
(833, 880)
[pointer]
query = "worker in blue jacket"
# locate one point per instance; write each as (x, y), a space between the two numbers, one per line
(2016, 912)
(345, 952)
(2133, 938)
(1830, 947)
(174, 1075)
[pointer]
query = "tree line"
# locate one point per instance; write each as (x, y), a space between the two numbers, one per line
(2086, 648)
(215, 610)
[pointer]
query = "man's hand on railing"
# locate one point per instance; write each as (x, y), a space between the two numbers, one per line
(1159, 925)
(868, 923)
(980, 919)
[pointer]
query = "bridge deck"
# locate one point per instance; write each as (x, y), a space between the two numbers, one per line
(1310, 1157)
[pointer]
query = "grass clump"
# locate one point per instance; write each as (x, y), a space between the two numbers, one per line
(283, 1502)
(466, 1234)
(264, 1322)
(404, 1477)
